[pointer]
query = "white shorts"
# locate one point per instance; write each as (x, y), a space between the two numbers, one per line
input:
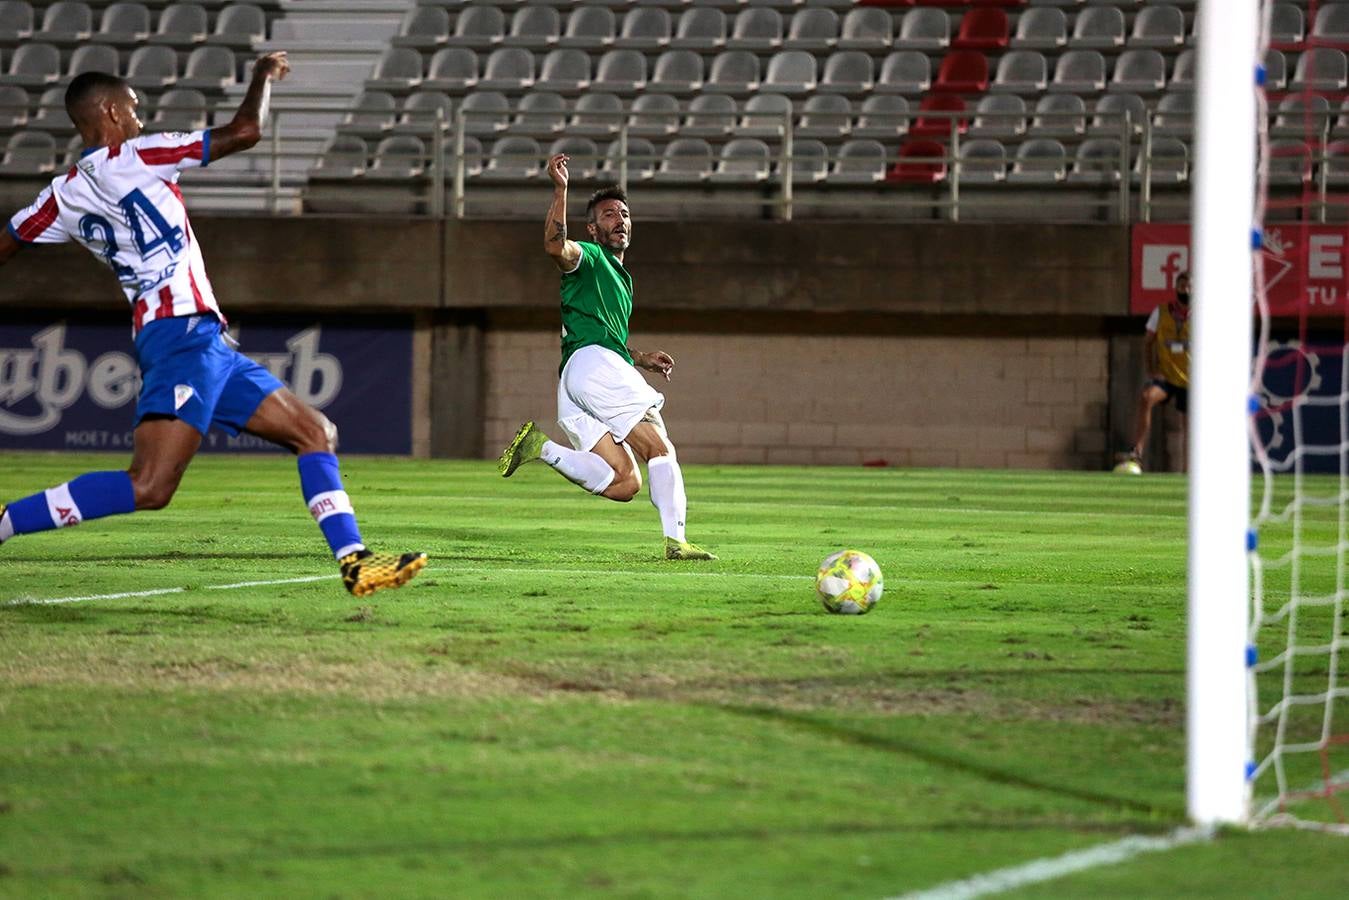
(601, 392)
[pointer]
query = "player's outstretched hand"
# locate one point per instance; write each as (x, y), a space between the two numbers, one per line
(656, 361)
(273, 65)
(557, 169)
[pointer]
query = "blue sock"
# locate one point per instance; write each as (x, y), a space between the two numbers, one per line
(321, 484)
(91, 496)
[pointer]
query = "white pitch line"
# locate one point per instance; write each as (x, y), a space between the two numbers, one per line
(35, 601)
(1048, 869)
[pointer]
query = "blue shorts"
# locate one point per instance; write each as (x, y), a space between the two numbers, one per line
(189, 372)
(1174, 392)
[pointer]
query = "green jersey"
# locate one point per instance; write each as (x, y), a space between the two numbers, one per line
(596, 303)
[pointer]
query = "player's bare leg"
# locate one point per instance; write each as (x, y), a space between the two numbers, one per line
(163, 449)
(284, 419)
(1149, 399)
(648, 439)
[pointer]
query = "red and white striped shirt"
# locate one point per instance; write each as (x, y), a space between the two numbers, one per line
(122, 202)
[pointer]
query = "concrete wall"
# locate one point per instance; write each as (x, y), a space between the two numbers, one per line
(932, 344)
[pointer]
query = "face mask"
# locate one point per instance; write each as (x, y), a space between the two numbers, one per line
(1183, 296)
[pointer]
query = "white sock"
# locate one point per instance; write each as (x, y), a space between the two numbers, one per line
(582, 467)
(667, 494)
(6, 527)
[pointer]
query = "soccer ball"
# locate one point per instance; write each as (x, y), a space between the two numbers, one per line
(849, 582)
(1129, 467)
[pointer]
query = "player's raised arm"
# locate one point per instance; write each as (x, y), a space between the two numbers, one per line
(245, 129)
(564, 252)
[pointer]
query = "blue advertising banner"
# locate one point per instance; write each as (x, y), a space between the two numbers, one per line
(1302, 403)
(68, 385)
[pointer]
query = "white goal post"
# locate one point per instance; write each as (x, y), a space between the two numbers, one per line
(1223, 216)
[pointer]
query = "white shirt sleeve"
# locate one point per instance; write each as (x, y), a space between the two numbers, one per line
(1153, 320)
(39, 222)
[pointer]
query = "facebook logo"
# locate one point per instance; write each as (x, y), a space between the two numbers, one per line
(1161, 264)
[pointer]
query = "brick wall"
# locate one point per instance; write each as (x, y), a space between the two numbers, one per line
(1022, 402)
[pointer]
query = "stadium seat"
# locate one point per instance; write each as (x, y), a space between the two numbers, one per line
(1183, 69)
(180, 109)
(472, 157)
(709, 116)
(211, 68)
(645, 28)
(1276, 71)
(93, 58)
(859, 161)
(1098, 28)
(596, 114)
(813, 29)
(345, 156)
(685, 160)
(882, 116)
(1039, 161)
(756, 28)
(398, 69)
(1041, 28)
(480, 27)
(565, 70)
(66, 22)
(641, 155)
(534, 28)
(962, 71)
(29, 153)
(1287, 27)
(540, 114)
(589, 28)
(765, 115)
(868, 28)
(372, 114)
(1139, 72)
(924, 28)
(180, 24)
(152, 67)
(810, 162)
(1111, 109)
(935, 119)
(585, 158)
(13, 107)
(1159, 27)
(423, 27)
(239, 26)
(1079, 72)
(790, 72)
(825, 115)
(848, 72)
(398, 158)
(1302, 116)
(16, 20)
(920, 162)
(1174, 114)
(50, 113)
(1169, 161)
(33, 65)
(677, 72)
(1336, 164)
(513, 159)
(1020, 72)
(734, 72)
(1097, 162)
(1332, 23)
(982, 28)
(508, 69)
(485, 113)
(122, 23)
(742, 161)
(982, 161)
(654, 116)
(1059, 116)
(1290, 163)
(1320, 69)
(1341, 127)
(701, 28)
(999, 116)
(620, 72)
(905, 72)
(452, 69)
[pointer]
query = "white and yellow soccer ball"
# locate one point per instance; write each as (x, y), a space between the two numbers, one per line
(1129, 467)
(849, 583)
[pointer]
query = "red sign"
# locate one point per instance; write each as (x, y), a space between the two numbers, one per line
(1305, 267)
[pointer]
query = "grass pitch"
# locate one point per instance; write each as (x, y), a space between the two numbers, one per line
(552, 710)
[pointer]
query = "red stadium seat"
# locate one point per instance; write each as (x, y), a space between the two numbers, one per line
(963, 72)
(920, 162)
(939, 126)
(982, 29)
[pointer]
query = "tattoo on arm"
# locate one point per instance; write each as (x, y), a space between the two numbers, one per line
(559, 231)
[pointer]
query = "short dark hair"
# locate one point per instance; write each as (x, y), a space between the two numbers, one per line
(613, 192)
(88, 87)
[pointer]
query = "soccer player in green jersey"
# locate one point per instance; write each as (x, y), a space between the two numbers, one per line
(606, 408)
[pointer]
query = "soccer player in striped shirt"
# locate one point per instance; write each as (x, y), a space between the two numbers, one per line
(121, 202)
(607, 410)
